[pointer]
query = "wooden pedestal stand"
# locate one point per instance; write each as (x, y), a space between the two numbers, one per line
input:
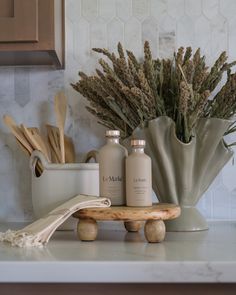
(133, 218)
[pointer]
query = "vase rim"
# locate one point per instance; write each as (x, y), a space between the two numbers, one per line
(172, 123)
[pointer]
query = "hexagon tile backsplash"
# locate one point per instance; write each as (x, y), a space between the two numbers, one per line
(27, 93)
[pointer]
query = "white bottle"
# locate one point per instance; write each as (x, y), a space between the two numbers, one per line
(112, 168)
(138, 176)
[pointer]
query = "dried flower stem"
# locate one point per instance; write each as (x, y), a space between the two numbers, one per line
(128, 93)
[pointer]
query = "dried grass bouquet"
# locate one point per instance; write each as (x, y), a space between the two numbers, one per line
(128, 93)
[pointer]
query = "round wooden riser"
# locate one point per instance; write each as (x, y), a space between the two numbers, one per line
(133, 217)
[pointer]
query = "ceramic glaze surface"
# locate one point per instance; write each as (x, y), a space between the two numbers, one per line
(27, 93)
(58, 183)
(182, 172)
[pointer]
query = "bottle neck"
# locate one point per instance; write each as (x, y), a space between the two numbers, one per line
(113, 140)
(139, 150)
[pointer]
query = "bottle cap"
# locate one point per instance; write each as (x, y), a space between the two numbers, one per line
(138, 142)
(112, 133)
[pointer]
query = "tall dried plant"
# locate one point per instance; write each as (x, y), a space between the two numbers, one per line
(128, 93)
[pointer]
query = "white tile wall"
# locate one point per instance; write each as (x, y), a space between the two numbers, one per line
(27, 94)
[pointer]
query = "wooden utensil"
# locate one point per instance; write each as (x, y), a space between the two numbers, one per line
(60, 102)
(54, 142)
(69, 150)
(39, 166)
(54, 156)
(25, 146)
(36, 140)
(44, 141)
(53, 138)
(17, 132)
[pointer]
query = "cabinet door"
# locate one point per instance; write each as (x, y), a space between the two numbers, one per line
(18, 21)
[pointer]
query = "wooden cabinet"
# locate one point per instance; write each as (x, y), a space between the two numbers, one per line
(32, 33)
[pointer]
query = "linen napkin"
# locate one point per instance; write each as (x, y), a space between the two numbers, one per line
(38, 233)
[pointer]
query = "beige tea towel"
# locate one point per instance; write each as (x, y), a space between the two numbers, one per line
(39, 232)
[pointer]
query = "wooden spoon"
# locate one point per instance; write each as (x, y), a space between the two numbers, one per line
(60, 102)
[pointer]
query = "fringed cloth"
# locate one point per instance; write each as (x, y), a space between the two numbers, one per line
(38, 233)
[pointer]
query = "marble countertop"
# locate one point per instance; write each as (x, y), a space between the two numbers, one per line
(117, 256)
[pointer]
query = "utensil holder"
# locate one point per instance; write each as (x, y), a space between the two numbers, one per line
(60, 182)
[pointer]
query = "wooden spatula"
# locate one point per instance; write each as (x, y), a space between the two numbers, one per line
(54, 142)
(39, 166)
(17, 132)
(25, 146)
(42, 139)
(53, 138)
(60, 102)
(69, 150)
(36, 140)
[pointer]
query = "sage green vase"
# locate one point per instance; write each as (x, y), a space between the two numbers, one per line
(183, 172)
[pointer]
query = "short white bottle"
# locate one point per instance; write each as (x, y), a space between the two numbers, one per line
(112, 168)
(138, 176)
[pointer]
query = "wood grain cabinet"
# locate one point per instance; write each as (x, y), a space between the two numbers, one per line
(32, 33)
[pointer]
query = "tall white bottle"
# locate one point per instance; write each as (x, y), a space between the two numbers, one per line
(138, 176)
(112, 168)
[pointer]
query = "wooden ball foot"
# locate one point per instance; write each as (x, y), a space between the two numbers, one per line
(133, 226)
(87, 229)
(154, 231)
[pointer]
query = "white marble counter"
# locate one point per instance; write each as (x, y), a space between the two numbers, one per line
(117, 256)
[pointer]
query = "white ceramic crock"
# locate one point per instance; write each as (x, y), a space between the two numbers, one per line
(60, 182)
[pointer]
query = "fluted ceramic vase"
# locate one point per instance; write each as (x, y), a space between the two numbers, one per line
(183, 172)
